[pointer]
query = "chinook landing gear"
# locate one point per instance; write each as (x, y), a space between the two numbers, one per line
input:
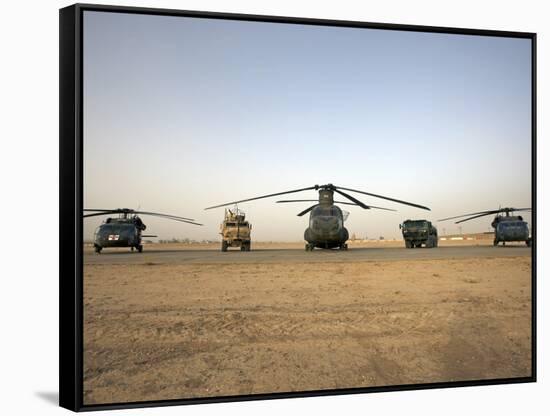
(309, 247)
(97, 248)
(344, 247)
(528, 242)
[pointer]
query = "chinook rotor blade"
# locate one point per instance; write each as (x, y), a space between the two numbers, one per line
(384, 197)
(296, 200)
(336, 202)
(351, 198)
(305, 211)
(264, 196)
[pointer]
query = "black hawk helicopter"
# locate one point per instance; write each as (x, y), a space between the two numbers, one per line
(125, 230)
(326, 221)
(507, 227)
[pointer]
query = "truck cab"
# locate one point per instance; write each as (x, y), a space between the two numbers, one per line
(419, 232)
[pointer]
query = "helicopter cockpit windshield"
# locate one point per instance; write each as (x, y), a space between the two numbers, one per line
(324, 211)
(120, 229)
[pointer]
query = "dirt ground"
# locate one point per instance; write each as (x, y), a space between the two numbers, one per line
(159, 331)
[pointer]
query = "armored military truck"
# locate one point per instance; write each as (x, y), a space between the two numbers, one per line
(418, 232)
(235, 230)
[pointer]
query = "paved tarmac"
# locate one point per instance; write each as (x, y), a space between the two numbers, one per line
(182, 256)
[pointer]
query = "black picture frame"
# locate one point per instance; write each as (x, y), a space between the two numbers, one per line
(71, 203)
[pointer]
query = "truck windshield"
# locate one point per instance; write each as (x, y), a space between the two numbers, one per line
(420, 223)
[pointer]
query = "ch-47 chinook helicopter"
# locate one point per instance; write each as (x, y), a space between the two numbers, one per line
(125, 230)
(507, 227)
(326, 220)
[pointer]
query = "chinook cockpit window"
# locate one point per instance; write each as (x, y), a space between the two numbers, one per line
(330, 211)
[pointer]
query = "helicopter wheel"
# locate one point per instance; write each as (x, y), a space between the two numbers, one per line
(344, 247)
(139, 248)
(224, 245)
(97, 249)
(528, 243)
(495, 242)
(309, 247)
(131, 248)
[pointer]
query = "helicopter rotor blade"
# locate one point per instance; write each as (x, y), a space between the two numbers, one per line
(351, 198)
(483, 213)
(305, 211)
(158, 214)
(476, 216)
(507, 210)
(494, 211)
(100, 213)
(296, 200)
(384, 197)
(186, 221)
(336, 202)
(264, 196)
(96, 210)
(130, 211)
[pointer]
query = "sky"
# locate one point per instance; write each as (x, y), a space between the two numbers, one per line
(184, 113)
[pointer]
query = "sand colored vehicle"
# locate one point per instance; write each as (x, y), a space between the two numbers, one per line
(419, 232)
(235, 230)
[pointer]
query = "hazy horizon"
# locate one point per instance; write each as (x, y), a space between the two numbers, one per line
(183, 113)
